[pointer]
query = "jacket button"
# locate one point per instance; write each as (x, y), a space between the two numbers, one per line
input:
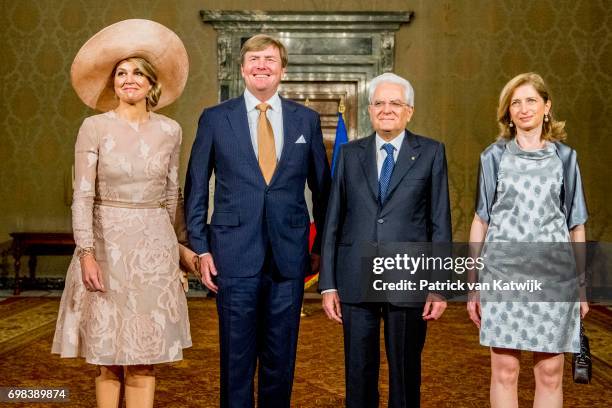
(381, 221)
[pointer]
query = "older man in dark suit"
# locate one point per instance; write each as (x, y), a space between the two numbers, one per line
(389, 187)
(263, 149)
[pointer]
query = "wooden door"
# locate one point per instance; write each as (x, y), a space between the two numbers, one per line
(325, 98)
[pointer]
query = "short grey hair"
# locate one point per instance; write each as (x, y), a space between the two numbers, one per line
(394, 79)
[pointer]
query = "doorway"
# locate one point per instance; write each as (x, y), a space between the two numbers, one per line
(325, 98)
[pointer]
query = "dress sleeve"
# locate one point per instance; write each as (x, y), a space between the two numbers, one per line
(85, 173)
(172, 180)
(578, 213)
(483, 205)
(180, 226)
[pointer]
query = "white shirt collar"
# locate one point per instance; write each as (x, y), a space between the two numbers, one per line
(396, 142)
(252, 101)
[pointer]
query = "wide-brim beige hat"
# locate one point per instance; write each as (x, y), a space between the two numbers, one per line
(160, 46)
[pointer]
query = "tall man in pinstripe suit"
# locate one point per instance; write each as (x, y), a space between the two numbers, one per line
(263, 149)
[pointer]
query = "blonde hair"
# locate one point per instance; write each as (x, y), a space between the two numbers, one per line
(148, 71)
(260, 42)
(552, 130)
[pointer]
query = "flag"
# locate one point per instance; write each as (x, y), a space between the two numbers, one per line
(341, 138)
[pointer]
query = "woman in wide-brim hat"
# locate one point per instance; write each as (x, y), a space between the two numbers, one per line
(124, 307)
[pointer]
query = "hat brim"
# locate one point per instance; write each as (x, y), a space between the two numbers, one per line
(95, 61)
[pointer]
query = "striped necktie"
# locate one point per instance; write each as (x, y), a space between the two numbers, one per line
(385, 173)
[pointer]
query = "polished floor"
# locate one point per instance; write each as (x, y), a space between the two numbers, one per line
(455, 368)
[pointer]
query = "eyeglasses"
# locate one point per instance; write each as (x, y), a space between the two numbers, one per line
(395, 105)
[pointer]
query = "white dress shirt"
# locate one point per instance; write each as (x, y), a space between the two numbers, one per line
(381, 155)
(274, 114)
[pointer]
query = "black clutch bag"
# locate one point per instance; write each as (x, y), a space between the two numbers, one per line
(582, 368)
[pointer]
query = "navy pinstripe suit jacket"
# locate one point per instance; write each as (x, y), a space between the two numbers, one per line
(248, 214)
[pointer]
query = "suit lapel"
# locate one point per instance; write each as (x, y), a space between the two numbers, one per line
(239, 121)
(291, 125)
(408, 155)
(368, 164)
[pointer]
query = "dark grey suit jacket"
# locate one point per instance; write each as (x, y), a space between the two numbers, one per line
(416, 210)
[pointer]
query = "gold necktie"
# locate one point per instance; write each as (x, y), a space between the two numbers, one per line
(266, 150)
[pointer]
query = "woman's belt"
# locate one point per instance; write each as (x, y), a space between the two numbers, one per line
(125, 204)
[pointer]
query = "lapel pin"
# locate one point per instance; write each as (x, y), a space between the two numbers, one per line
(412, 158)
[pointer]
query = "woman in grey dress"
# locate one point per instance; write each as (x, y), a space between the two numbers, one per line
(529, 192)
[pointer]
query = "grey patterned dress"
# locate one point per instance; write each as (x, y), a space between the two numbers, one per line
(527, 209)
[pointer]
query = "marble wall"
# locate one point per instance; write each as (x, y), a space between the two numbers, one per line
(457, 54)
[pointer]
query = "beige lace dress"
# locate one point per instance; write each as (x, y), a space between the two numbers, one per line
(125, 200)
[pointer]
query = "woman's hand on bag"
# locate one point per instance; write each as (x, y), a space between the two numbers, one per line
(584, 309)
(91, 274)
(473, 308)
